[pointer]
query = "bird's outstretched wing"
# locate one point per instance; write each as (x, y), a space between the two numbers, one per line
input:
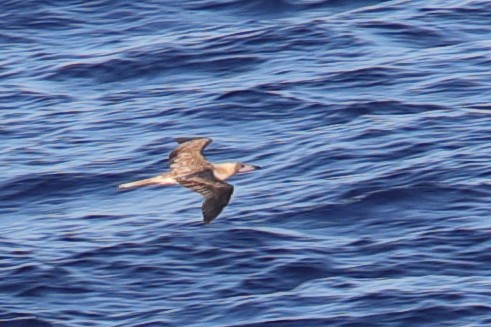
(216, 193)
(188, 156)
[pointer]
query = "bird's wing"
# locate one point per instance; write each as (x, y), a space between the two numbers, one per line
(216, 193)
(188, 156)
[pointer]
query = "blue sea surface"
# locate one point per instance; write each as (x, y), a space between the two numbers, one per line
(371, 120)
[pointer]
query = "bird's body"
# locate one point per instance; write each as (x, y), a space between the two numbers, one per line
(189, 168)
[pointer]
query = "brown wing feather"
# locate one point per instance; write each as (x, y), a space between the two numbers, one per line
(217, 194)
(188, 156)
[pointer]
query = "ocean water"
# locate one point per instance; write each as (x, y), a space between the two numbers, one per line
(371, 120)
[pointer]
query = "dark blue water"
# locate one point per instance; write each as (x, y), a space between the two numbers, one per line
(371, 119)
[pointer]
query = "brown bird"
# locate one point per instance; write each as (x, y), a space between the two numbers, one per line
(189, 168)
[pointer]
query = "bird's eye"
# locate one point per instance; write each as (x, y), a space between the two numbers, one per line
(242, 165)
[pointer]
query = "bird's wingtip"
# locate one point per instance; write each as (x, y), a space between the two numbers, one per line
(181, 140)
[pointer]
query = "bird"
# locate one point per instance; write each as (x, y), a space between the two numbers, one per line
(189, 168)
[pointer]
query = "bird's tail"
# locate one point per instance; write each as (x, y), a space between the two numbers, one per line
(142, 182)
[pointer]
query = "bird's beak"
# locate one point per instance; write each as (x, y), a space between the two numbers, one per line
(247, 168)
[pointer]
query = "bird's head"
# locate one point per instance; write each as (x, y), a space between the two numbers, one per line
(245, 168)
(226, 170)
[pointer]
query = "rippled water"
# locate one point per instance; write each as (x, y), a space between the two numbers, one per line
(371, 119)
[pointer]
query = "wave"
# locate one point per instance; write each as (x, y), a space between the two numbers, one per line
(370, 120)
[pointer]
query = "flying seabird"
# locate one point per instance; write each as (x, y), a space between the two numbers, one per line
(189, 168)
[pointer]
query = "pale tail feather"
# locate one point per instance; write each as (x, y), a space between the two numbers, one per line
(159, 180)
